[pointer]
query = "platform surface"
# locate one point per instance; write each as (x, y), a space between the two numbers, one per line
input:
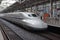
(1, 36)
(53, 22)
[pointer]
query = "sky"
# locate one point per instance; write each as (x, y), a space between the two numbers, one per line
(6, 3)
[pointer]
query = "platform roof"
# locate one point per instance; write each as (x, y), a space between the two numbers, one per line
(0, 1)
(25, 4)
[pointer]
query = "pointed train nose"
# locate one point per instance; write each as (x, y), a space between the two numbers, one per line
(39, 24)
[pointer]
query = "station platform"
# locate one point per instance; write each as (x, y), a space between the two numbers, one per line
(1, 36)
(53, 22)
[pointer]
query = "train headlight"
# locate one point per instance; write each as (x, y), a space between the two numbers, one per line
(29, 21)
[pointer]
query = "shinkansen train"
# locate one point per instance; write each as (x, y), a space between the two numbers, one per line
(28, 19)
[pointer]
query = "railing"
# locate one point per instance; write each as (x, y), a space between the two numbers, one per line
(53, 21)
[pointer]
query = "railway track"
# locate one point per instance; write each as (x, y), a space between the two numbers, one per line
(8, 34)
(3, 34)
(48, 35)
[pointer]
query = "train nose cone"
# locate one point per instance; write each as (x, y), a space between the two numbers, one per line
(40, 24)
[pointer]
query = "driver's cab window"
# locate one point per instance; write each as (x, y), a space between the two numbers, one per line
(29, 15)
(32, 15)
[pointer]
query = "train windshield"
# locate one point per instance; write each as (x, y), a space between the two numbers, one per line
(32, 15)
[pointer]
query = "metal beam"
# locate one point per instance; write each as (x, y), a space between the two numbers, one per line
(28, 3)
(0, 1)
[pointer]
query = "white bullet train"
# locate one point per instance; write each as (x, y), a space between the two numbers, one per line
(28, 19)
